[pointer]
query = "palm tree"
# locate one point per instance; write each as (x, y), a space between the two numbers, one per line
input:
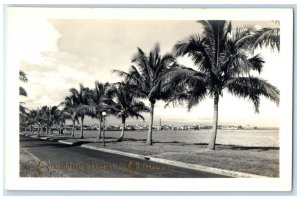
(60, 118)
(97, 102)
(42, 118)
(224, 60)
(70, 107)
(147, 77)
(81, 98)
(123, 104)
(32, 118)
(50, 115)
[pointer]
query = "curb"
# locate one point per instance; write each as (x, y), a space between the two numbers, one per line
(78, 143)
(179, 164)
(132, 155)
(44, 138)
(65, 142)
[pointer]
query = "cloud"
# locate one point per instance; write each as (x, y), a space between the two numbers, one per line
(29, 37)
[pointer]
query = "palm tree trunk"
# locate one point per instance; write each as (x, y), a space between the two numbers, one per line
(149, 138)
(104, 131)
(100, 126)
(123, 130)
(73, 129)
(82, 127)
(60, 130)
(213, 136)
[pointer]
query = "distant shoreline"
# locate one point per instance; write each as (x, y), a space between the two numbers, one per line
(261, 128)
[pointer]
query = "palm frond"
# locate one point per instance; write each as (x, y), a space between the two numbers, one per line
(185, 85)
(142, 62)
(269, 37)
(227, 29)
(23, 109)
(208, 30)
(146, 75)
(256, 63)
(22, 92)
(82, 110)
(163, 64)
(244, 37)
(122, 102)
(253, 88)
(198, 50)
(23, 76)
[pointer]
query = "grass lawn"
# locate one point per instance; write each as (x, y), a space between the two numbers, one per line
(260, 161)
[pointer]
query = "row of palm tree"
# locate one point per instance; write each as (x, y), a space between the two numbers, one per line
(224, 59)
(117, 99)
(44, 117)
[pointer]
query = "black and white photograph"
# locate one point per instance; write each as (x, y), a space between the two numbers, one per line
(151, 94)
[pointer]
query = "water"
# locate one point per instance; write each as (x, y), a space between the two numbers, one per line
(257, 138)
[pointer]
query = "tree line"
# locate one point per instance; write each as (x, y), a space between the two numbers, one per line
(224, 58)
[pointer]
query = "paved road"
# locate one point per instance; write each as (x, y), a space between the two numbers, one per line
(75, 161)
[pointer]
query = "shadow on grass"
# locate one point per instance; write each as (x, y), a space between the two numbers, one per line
(220, 146)
(131, 140)
(232, 147)
(180, 143)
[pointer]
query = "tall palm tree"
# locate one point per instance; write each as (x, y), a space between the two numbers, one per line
(97, 98)
(42, 118)
(59, 118)
(32, 118)
(122, 103)
(81, 97)
(147, 76)
(224, 60)
(70, 108)
(50, 116)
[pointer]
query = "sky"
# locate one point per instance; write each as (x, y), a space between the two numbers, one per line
(58, 54)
